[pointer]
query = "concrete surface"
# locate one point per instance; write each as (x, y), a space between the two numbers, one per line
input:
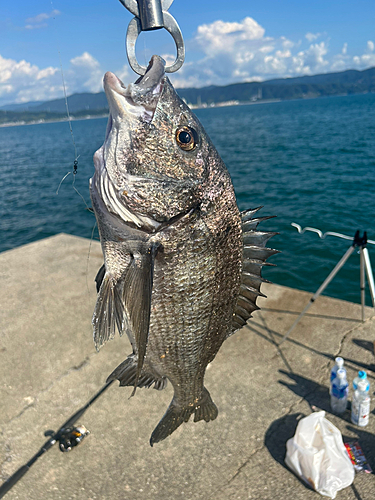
(49, 369)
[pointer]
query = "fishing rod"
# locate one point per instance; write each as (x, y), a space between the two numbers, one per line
(365, 266)
(68, 437)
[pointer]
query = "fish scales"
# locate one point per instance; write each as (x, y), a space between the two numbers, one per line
(189, 302)
(177, 277)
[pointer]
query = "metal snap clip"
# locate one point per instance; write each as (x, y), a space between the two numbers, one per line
(152, 15)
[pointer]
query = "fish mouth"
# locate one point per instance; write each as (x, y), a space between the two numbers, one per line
(128, 107)
(138, 100)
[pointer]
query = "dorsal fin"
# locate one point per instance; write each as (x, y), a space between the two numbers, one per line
(255, 254)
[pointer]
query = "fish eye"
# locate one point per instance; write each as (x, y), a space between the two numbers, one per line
(186, 138)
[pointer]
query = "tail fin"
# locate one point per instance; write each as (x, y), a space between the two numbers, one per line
(205, 409)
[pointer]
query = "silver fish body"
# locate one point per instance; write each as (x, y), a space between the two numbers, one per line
(182, 268)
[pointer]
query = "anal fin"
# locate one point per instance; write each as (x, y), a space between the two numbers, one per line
(126, 374)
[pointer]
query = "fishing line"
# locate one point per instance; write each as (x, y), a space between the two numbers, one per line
(76, 155)
(75, 165)
(62, 180)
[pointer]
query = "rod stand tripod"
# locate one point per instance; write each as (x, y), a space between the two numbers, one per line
(365, 266)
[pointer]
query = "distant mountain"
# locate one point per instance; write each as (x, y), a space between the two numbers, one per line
(343, 83)
(76, 102)
(346, 82)
(25, 106)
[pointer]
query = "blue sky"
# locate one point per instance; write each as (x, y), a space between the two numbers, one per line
(226, 42)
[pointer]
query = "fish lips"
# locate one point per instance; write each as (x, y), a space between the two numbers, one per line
(138, 100)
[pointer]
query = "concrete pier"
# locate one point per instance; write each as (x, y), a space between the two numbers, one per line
(49, 369)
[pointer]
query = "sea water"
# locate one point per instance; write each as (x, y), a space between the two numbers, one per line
(308, 161)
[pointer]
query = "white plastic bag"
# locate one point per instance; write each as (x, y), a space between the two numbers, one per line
(317, 455)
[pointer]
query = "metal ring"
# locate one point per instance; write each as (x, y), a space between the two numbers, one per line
(170, 24)
(132, 6)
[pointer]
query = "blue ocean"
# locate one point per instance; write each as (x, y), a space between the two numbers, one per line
(311, 162)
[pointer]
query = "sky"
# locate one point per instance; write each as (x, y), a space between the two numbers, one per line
(226, 42)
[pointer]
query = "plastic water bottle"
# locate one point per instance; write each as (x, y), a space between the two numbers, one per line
(339, 364)
(361, 404)
(361, 376)
(339, 392)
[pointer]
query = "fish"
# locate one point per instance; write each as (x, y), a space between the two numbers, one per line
(182, 266)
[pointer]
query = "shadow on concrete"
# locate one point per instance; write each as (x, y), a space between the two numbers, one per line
(273, 337)
(277, 436)
(364, 344)
(312, 315)
(316, 395)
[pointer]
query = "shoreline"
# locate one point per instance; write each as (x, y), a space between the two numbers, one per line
(223, 104)
(55, 120)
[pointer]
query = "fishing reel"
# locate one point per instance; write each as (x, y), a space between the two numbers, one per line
(69, 437)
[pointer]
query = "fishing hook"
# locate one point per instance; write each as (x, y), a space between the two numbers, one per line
(152, 15)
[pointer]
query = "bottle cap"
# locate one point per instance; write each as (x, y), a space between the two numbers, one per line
(341, 373)
(339, 362)
(362, 375)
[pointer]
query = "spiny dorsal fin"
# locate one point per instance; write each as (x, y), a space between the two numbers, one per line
(255, 254)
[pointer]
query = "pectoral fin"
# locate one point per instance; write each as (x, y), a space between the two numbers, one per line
(137, 298)
(125, 303)
(109, 312)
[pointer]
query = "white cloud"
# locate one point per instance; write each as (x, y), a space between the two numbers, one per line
(220, 53)
(37, 22)
(242, 51)
(220, 36)
(21, 81)
(287, 44)
(85, 72)
(312, 36)
(367, 59)
(124, 74)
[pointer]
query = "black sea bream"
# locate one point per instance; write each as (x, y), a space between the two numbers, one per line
(181, 266)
